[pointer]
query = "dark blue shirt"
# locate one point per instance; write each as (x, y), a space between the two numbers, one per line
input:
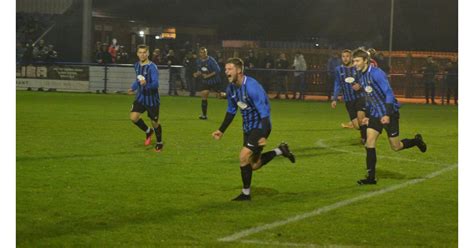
(343, 72)
(379, 94)
(252, 101)
(209, 66)
(147, 94)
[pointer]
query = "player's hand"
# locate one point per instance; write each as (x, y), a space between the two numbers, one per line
(333, 104)
(385, 119)
(365, 121)
(142, 82)
(130, 92)
(262, 141)
(197, 74)
(356, 86)
(217, 135)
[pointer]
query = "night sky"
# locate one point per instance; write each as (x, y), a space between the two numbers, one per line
(418, 24)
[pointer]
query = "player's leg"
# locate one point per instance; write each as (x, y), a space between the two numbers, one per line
(135, 117)
(393, 136)
(259, 159)
(245, 173)
(373, 132)
(204, 96)
(154, 115)
(432, 91)
(360, 108)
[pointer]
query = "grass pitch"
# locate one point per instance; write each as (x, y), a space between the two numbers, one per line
(84, 177)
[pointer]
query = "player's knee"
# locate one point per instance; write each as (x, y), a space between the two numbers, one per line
(134, 118)
(396, 147)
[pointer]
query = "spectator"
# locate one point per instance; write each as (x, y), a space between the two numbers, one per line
(221, 62)
(122, 55)
(429, 74)
(103, 57)
(250, 62)
(113, 48)
(268, 75)
(299, 65)
(51, 54)
(373, 57)
(333, 62)
(156, 57)
(409, 79)
(171, 61)
(40, 52)
(27, 57)
(282, 76)
(451, 81)
(382, 63)
(20, 50)
(189, 64)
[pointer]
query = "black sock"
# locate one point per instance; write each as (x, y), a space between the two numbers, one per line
(267, 157)
(204, 107)
(246, 173)
(363, 132)
(141, 124)
(158, 133)
(408, 143)
(371, 160)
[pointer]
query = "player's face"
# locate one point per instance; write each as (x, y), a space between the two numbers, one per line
(202, 54)
(231, 71)
(142, 54)
(346, 58)
(359, 63)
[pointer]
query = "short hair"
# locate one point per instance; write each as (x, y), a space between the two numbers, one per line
(143, 46)
(203, 49)
(360, 53)
(346, 51)
(237, 62)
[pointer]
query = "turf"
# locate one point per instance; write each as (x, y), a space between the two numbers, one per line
(84, 177)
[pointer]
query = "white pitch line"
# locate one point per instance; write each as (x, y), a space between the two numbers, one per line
(321, 143)
(328, 208)
(290, 244)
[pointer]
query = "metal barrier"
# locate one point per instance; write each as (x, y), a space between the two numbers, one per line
(118, 77)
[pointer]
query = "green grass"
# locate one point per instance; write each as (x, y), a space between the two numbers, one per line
(84, 177)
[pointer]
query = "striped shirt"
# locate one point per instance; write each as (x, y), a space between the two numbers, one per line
(252, 101)
(378, 93)
(343, 72)
(209, 66)
(147, 94)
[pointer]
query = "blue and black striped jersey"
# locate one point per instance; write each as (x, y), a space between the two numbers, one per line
(343, 72)
(252, 101)
(147, 94)
(209, 66)
(380, 100)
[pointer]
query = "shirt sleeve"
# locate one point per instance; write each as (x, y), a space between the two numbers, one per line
(214, 66)
(337, 87)
(381, 78)
(153, 70)
(231, 104)
(257, 95)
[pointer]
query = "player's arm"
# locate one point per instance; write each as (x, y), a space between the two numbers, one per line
(153, 71)
(215, 69)
(257, 94)
(337, 89)
(229, 116)
(381, 78)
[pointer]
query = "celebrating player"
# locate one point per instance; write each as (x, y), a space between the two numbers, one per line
(382, 110)
(208, 72)
(353, 97)
(147, 97)
(247, 94)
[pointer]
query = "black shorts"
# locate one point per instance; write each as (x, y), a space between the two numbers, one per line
(251, 139)
(392, 128)
(203, 85)
(153, 112)
(354, 106)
